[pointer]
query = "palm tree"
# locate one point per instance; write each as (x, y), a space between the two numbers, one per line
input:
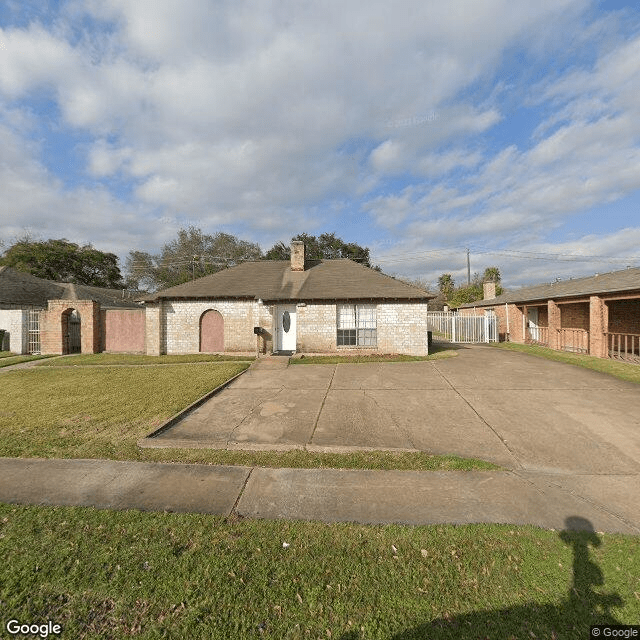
(491, 274)
(446, 284)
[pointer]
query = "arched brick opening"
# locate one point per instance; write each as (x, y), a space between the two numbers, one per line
(211, 331)
(71, 331)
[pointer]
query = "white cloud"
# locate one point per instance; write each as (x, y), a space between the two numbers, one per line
(233, 113)
(32, 58)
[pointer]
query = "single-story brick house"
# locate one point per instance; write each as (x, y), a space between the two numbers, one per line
(299, 305)
(44, 316)
(598, 315)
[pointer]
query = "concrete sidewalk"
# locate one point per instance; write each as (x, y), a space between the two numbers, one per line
(329, 495)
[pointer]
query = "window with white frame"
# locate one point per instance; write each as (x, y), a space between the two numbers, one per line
(357, 325)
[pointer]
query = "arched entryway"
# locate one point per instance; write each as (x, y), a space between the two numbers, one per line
(211, 331)
(71, 332)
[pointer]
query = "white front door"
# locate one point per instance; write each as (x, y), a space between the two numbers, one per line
(286, 328)
(532, 312)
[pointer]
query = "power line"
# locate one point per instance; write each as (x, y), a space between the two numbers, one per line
(413, 257)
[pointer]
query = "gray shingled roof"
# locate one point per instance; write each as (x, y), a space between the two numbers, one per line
(23, 289)
(612, 282)
(273, 280)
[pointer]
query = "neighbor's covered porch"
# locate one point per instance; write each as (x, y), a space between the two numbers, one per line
(602, 326)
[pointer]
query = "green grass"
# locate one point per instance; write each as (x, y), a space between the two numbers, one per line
(102, 412)
(129, 359)
(622, 370)
(97, 412)
(12, 358)
(7, 354)
(105, 574)
(299, 459)
(437, 354)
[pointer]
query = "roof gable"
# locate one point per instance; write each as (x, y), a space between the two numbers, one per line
(23, 289)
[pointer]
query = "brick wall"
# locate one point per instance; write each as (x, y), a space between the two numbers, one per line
(123, 330)
(543, 316)
(402, 328)
(51, 325)
(316, 328)
(181, 322)
(154, 329)
(176, 328)
(574, 315)
(624, 316)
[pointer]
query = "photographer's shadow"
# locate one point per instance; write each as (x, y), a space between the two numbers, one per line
(583, 607)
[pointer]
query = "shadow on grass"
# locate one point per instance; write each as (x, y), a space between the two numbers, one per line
(445, 345)
(571, 619)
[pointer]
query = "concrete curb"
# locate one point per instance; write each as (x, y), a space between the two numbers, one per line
(177, 443)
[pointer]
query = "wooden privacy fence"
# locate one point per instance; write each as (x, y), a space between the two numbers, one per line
(623, 346)
(458, 328)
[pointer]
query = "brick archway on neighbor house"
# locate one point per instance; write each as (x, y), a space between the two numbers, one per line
(71, 327)
(211, 331)
(55, 329)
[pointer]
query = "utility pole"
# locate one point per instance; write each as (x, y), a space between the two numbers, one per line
(468, 270)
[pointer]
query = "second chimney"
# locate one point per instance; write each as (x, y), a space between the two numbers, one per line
(297, 255)
(489, 290)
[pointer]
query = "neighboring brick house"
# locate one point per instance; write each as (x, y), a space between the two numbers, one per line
(43, 316)
(599, 315)
(297, 306)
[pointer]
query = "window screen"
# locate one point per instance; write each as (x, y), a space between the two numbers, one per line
(357, 325)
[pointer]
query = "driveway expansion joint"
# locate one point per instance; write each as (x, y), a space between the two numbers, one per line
(244, 486)
(405, 432)
(504, 442)
(324, 399)
(592, 503)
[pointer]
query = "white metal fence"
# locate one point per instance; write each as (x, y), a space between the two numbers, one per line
(33, 331)
(459, 328)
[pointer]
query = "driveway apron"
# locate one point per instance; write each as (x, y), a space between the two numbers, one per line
(568, 438)
(519, 411)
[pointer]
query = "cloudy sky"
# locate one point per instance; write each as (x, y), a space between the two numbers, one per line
(417, 128)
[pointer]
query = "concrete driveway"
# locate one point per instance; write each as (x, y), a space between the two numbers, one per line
(569, 438)
(522, 412)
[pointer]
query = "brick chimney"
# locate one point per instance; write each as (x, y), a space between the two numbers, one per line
(297, 255)
(489, 290)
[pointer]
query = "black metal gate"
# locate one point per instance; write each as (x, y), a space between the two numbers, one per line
(72, 337)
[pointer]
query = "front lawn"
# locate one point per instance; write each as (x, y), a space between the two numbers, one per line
(622, 370)
(97, 412)
(103, 574)
(102, 412)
